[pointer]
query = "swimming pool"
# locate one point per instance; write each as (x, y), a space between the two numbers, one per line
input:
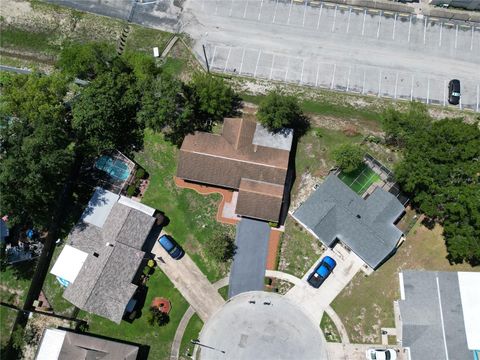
(115, 168)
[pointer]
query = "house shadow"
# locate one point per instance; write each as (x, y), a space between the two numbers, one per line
(140, 296)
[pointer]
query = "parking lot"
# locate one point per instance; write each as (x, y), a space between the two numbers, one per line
(394, 55)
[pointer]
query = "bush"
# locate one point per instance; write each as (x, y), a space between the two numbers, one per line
(221, 248)
(349, 157)
(140, 173)
(131, 190)
(158, 317)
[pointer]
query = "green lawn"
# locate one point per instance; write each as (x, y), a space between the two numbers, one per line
(7, 319)
(329, 329)
(223, 292)
(158, 338)
(15, 279)
(192, 216)
(145, 39)
(360, 179)
(299, 249)
(192, 331)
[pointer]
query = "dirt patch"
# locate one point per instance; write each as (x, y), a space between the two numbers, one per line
(306, 188)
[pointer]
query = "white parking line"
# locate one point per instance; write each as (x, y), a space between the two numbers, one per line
(456, 36)
(301, 75)
(334, 19)
(411, 89)
(260, 12)
(363, 25)
(256, 66)
(289, 12)
(245, 11)
(333, 76)
(275, 12)
(271, 67)
(286, 73)
(444, 92)
(379, 83)
(396, 85)
(241, 64)
(316, 79)
(348, 23)
(348, 78)
(304, 12)
(228, 57)
(231, 9)
(425, 30)
(394, 25)
(213, 57)
(428, 91)
(440, 40)
(319, 15)
(409, 28)
(379, 21)
(471, 41)
(364, 78)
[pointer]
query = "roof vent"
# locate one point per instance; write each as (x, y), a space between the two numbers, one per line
(95, 254)
(358, 216)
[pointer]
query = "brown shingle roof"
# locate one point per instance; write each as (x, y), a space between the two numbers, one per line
(259, 200)
(224, 160)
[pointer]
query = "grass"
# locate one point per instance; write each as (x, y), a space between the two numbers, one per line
(360, 179)
(7, 319)
(299, 250)
(145, 39)
(173, 66)
(192, 331)
(158, 338)
(366, 304)
(192, 216)
(27, 40)
(15, 280)
(223, 292)
(329, 329)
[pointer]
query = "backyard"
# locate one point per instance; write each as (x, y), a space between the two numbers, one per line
(366, 304)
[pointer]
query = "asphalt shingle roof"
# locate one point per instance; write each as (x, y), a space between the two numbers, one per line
(334, 211)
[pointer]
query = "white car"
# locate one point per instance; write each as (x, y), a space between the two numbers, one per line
(381, 354)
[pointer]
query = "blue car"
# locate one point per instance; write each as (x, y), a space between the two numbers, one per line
(321, 272)
(170, 246)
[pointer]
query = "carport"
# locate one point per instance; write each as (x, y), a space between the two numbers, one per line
(249, 262)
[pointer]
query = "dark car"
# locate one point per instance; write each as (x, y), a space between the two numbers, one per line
(170, 246)
(321, 272)
(454, 92)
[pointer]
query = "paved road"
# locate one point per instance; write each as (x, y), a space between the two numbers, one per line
(339, 47)
(190, 281)
(249, 262)
(315, 301)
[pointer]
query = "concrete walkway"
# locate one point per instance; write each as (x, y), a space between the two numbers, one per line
(338, 324)
(190, 281)
(177, 340)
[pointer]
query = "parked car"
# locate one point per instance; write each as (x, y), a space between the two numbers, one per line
(321, 272)
(454, 92)
(381, 354)
(170, 246)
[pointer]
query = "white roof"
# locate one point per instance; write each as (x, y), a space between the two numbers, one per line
(136, 205)
(69, 263)
(99, 207)
(469, 283)
(281, 140)
(51, 344)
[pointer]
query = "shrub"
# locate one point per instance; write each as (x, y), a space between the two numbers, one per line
(158, 317)
(221, 248)
(140, 174)
(349, 157)
(131, 190)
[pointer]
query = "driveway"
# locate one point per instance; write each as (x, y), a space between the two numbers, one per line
(337, 351)
(249, 262)
(190, 281)
(315, 301)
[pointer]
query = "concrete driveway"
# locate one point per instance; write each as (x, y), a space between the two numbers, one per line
(315, 301)
(190, 281)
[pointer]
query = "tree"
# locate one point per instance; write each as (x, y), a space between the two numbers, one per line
(440, 170)
(278, 111)
(349, 157)
(211, 98)
(104, 114)
(36, 145)
(221, 248)
(158, 317)
(86, 61)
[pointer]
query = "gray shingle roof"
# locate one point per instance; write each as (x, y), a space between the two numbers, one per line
(104, 284)
(334, 211)
(433, 305)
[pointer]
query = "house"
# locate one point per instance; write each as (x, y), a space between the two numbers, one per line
(439, 315)
(104, 253)
(247, 158)
(335, 213)
(57, 344)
